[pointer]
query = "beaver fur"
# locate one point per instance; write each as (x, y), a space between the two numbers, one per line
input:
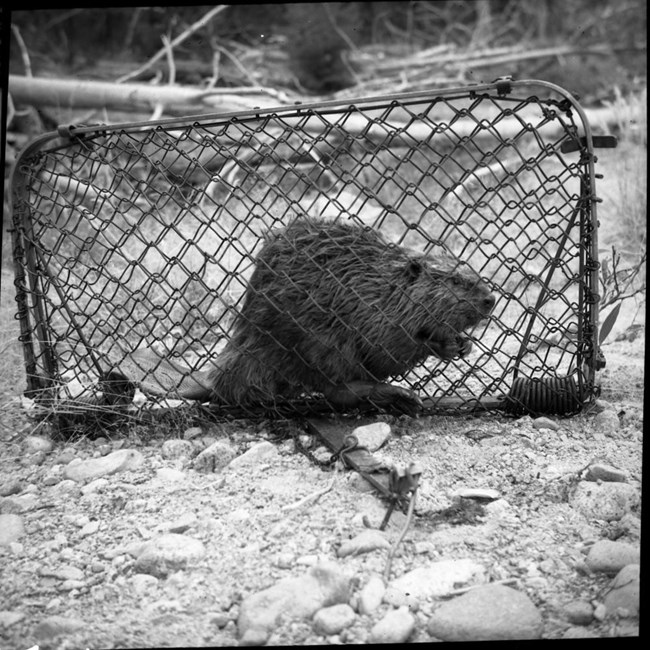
(333, 308)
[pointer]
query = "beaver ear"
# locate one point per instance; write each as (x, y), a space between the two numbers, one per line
(412, 269)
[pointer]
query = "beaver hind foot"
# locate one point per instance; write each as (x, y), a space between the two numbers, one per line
(332, 308)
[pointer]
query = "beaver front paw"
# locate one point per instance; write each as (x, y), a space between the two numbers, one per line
(398, 400)
(448, 348)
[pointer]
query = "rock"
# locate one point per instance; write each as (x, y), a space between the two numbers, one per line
(602, 472)
(11, 528)
(436, 579)
(365, 542)
(608, 501)
(94, 486)
(35, 444)
(373, 436)
(183, 523)
(9, 618)
(545, 423)
(579, 612)
(56, 625)
(606, 422)
(143, 583)
(214, 458)
(169, 474)
(395, 627)
(174, 449)
(92, 468)
(488, 612)
(168, 553)
(89, 529)
(371, 595)
(610, 557)
(579, 633)
(10, 486)
(331, 620)
(480, 494)
(19, 504)
(623, 597)
(297, 598)
(192, 432)
(62, 572)
(257, 454)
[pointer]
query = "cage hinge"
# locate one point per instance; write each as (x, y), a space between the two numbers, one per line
(69, 130)
(504, 85)
(599, 142)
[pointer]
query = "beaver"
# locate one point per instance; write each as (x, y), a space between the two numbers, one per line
(334, 308)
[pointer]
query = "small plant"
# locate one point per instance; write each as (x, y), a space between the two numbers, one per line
(619, 282)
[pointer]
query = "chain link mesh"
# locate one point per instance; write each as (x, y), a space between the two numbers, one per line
(145, 237)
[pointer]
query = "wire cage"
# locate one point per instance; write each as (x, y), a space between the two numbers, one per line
(134, 244)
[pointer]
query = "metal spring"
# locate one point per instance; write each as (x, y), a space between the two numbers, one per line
(545, 396)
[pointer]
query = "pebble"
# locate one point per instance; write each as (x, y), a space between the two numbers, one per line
(488, 612)
(371, 595)
(94, 486)
(623, 597)
(606, 556)
(38, 443)
(436, 579)
(602, 472)
(395, 627)
(89, 529)
(608, 501)
(19, 503)
(214, 458)
(12, 528)
(169, 474)
(258, 453)
(183, 523)
(143, 583)
(168, 553)
(372, 436)
(9, 618)
(64, 572)
(10, 486)
(579, 612)
(92, 468)
(545, 423)
(175, 449)
(334, 619)
(579, 633)
(56, 625)
(294, 597)
(192, 432)
(365, 542)
(606, 422)
(480, 494)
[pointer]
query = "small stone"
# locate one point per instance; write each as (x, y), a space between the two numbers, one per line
(35, 444)
(331, 620)
(545, 423)
(168, 553)
(19, 503)
(89, 529)
(10, 486)
(258, 453)
(284, 560)
(11, 528)
(175, 449)
(365, 542)
(192, 432)
(9, 618)
(395, 627)
(602, 472)
(608, 501)
(579, 633)
(623, 596)
(56, 625)
(94, 486)
(372, 436)
(183, 523)
(220, 619)
(214, 458)
(479, 494)
(118, 461)
(610, 557)
(371, 595)
(606, 422)
(143, 583)
(579, 612)
(169, 474)
(486, 613)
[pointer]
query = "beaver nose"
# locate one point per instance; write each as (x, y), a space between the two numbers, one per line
(488, 303)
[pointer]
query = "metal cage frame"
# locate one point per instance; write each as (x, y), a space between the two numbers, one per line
(40, 276)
